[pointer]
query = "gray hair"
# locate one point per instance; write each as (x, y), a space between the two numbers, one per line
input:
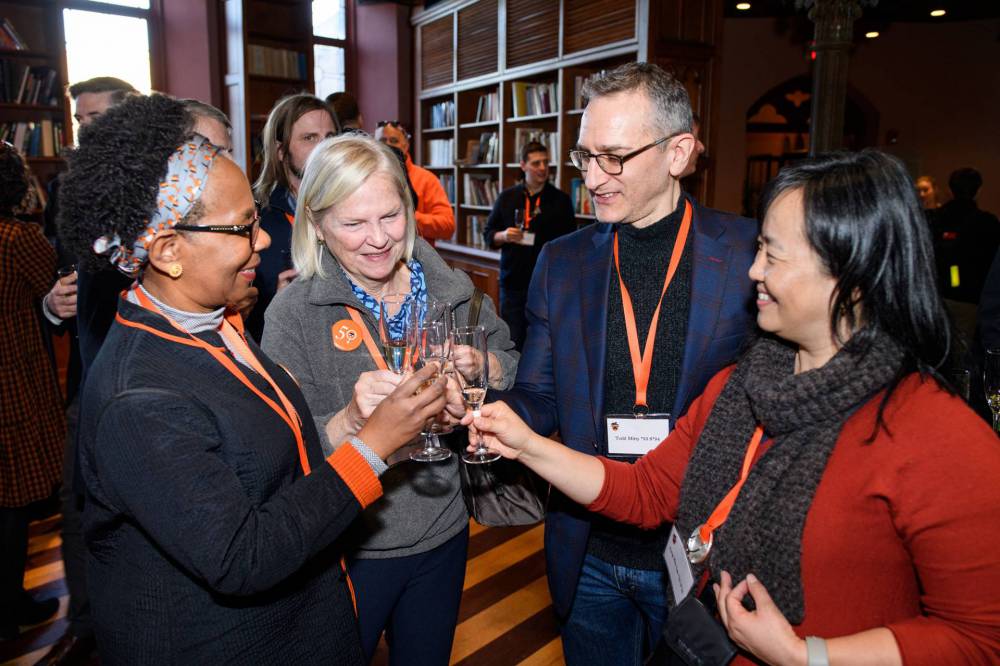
(334, 171)
(667, 95)
(199, 109)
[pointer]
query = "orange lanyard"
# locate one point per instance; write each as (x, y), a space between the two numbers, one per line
(642, 363)
(290, 218)
(232, 331)
(721, 513)
(527, 208)
(373, 348)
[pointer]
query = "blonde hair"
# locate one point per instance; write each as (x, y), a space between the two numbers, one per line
(334, 171)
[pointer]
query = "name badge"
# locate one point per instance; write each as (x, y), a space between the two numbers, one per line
(678, 567)
(527, 238)
(630, 435)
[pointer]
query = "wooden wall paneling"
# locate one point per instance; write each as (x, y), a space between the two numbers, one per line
(478, 39)
(684, 20)
(588, 24)
(532, 31)
(279, 21)
(437, 52)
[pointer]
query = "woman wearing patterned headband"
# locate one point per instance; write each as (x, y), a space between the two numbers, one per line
(212, 517)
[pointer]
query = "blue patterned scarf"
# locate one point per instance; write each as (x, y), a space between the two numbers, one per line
(418, 294)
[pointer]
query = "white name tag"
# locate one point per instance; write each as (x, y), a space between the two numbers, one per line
(528, 238)
(630, 435)
(678, 567)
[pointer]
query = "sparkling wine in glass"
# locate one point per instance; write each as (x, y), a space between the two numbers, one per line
(433, 346)
(471, 361)
(393, 329)
(991, 384)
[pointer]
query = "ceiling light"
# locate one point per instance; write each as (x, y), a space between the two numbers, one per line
(742, 6)
(871, 35)
(938, 13)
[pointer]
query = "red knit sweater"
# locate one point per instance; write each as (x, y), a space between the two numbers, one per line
(903, 532)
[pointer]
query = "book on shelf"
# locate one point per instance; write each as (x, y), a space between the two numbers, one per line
(441, 152)
(580, 196)
(442, 114)
(525, 135)
(34, 139)
(489, 148)
(475, 225)
(532, 99)
(280, 63)
(578, 83)
(479, 189)
(9, 37)
(25, 84)
(448, 183)
(488, 107)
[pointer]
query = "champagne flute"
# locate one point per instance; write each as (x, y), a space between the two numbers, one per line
(393, 329)
(991, 384)
(472, 371)
(433, 346)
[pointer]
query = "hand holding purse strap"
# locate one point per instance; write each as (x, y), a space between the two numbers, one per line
(475, 305)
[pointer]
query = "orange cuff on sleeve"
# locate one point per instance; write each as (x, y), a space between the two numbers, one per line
(352, 467)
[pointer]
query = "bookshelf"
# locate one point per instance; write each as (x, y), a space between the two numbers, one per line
(34, 114)
(269, 54)
(514, 68)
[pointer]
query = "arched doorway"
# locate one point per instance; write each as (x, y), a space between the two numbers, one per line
(777, 132)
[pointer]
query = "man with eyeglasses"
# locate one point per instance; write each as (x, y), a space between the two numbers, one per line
(628, 319)
(435, 216)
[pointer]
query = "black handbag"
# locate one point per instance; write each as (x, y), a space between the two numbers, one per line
(502, 493)
(693, 637)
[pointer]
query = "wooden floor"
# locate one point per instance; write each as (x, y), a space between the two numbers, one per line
(506, 615)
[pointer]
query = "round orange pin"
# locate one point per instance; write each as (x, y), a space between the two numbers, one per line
(346, 335)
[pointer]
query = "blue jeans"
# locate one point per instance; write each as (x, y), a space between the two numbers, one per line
(617, 615)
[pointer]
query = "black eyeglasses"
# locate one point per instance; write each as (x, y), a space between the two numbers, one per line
(383, 123)
(250, 231)
(613, 165)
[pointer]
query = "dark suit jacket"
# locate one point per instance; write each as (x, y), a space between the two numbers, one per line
(560, 379)
(275, 259)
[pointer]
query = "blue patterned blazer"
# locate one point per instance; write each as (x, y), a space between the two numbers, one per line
(560, 379)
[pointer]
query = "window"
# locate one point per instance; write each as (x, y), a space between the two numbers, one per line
(330, 36)
(102, 42)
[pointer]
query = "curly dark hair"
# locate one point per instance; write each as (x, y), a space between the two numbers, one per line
(13, 179)
(114, 175)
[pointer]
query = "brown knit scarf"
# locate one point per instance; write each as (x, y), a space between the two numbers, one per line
(804, 414)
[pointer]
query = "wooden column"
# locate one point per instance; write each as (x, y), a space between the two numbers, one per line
(834, 21)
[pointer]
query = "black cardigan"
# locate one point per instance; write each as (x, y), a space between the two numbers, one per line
(207, 544)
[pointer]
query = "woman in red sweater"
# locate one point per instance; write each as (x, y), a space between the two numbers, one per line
(864, 527)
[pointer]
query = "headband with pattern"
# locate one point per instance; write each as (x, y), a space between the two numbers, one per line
(182, 186)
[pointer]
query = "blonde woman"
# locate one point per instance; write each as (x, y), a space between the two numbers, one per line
(355, 242)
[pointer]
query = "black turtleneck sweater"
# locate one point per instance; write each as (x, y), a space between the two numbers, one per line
(644, 256)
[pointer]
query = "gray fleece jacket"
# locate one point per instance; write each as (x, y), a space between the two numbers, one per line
(422, 504)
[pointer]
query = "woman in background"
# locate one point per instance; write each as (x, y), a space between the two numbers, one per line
(32, 422)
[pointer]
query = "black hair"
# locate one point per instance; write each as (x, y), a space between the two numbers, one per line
(533, 147)
(114, 175)
(864, 221)
(965, 183)
(345, 106)
(13, 179)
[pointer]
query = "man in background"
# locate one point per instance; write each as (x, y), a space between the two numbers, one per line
(295, 126)
(435, 216)
(965, 242)
(535, 210)
(348, 113)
